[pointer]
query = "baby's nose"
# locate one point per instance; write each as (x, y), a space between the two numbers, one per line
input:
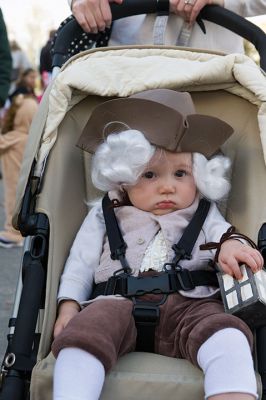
(167, 186)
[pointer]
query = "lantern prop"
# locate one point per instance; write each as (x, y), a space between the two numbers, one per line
(245, 298)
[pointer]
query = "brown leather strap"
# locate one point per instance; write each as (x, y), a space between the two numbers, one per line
(229, 234)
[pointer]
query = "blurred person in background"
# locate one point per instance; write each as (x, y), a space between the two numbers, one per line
(26, 83)
(180, 30)
(20, 63)
(5, 62)
(5, 68)
(45, 67)
(14, 135)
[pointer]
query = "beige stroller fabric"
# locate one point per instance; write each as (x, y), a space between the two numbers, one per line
(230, 87)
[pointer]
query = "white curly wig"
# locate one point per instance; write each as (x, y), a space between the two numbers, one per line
(122, 158)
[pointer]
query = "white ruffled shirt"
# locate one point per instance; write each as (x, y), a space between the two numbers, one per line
(155, 255)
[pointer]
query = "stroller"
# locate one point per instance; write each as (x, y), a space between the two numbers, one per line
(54, 181)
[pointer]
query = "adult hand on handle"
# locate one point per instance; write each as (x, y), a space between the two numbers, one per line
(190, 9)
(93, 15)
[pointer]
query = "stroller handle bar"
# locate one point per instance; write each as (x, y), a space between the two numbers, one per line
(71, 33)
(239, 25)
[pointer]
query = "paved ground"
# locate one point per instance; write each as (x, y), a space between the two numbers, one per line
(9, 273)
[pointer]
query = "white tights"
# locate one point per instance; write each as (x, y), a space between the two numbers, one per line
(226, 361)
(78, 375)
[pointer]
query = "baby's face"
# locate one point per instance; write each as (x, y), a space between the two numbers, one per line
(166, 185)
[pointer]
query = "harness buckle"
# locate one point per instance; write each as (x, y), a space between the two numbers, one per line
(185, 279)
(118, 281)
(174, 279)
(180, 254)
(110, 286)
(156, 284)
(147, 315)
(171, 267)
(120, 251)
(180, 278)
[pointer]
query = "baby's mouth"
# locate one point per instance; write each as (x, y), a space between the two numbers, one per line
(165, 204)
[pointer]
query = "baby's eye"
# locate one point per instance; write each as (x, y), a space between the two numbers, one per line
(148, 175)
(180, 173)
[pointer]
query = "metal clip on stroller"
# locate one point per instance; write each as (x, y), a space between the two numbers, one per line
(53, 176)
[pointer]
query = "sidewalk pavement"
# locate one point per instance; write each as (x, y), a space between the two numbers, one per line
(10, 260)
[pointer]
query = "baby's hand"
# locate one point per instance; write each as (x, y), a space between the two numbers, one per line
(67, 310)
(234, 253)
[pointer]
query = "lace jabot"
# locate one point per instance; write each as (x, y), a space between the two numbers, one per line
(155, 255)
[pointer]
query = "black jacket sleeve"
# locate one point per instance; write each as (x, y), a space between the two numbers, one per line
(5, 62)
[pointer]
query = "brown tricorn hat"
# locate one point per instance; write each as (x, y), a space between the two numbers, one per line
(167, 119)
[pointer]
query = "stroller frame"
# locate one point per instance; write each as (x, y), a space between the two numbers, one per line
(23, 341)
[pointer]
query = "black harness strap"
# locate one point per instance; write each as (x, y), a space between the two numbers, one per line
(146, 315)
(184, 247)
(117, 244)
(174, 278)
(161, 283)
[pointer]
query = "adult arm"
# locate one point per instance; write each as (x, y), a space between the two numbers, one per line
(6, 62)
(8, 141)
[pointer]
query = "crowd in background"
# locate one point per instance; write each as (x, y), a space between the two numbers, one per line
(21, 88)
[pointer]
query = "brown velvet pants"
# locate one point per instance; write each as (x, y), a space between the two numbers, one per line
(106, 328)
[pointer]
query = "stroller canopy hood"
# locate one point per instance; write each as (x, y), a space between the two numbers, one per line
(123, 72)
(167, 118)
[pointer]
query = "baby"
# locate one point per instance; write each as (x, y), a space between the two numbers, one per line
(156, 158)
